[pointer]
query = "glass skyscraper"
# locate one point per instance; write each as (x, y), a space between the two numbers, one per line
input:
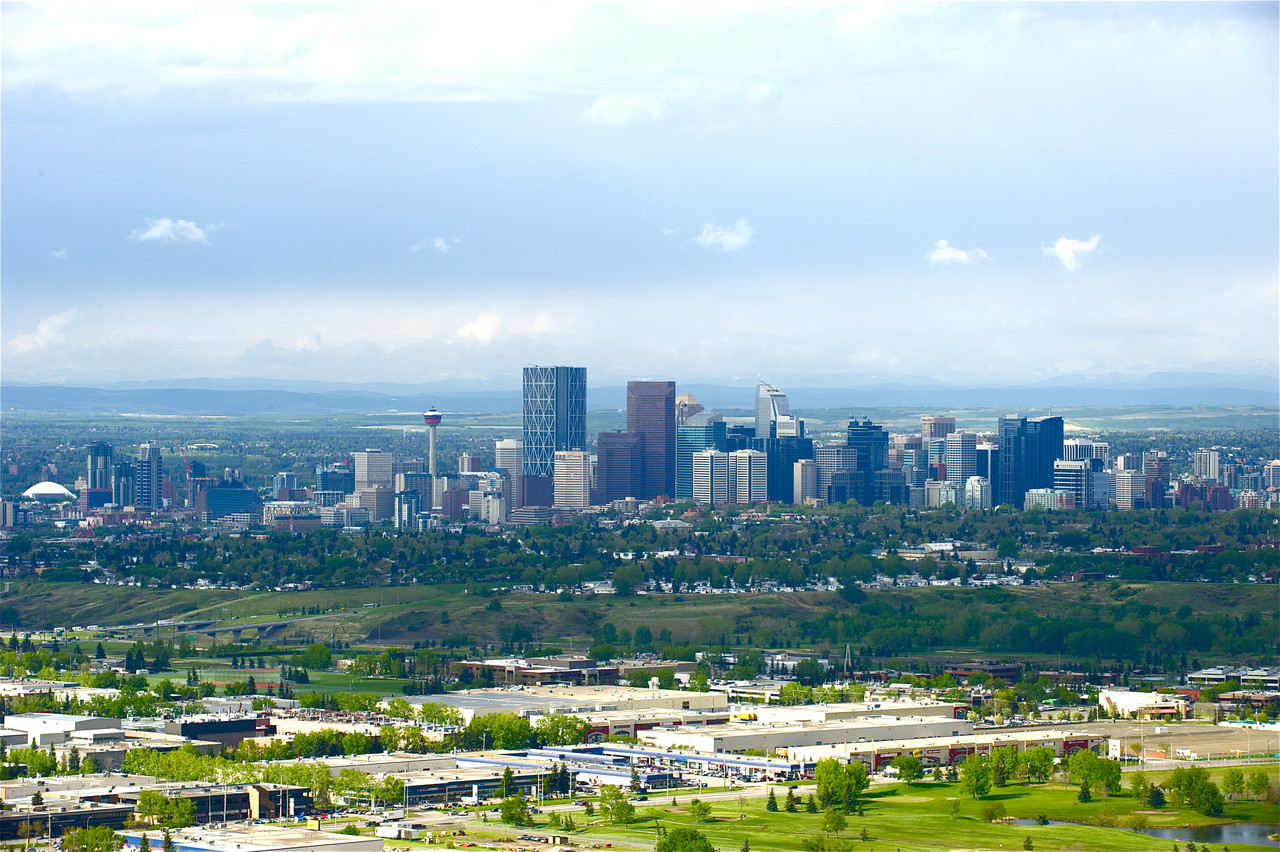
(555, 416)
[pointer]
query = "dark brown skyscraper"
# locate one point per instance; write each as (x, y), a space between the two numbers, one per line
(651, 413)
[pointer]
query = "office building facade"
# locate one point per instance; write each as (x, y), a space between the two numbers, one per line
(554, 416)
(651, 414)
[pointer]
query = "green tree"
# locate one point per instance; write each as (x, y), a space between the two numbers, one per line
(771, 803)
(96, 839)
(557, 729)
(683, 839)
(316, 657)
(909, 768)
(789, 804)
(514, 810)
(1259, 783)
(975, 776)
(699, 810)
(614, 804)
(834, 821)
(167, 843)
(1233, 781)
(507, 785)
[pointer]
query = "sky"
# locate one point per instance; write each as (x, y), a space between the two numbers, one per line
(980, 193)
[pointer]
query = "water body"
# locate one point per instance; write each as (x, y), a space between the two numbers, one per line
(1256, 833)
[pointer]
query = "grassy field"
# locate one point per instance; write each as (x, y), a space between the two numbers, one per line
(910, 818)
(403, 615)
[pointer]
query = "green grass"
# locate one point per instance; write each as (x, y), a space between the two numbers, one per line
(912, 818)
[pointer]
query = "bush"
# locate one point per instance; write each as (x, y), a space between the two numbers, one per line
(991, 811)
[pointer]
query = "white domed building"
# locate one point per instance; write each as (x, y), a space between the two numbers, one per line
(48, 492)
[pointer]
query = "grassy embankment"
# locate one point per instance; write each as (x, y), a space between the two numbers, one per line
(405, 614)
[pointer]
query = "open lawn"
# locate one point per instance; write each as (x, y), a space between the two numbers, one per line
(916, 817)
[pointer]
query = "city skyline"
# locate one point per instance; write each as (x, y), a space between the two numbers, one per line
(387, 193)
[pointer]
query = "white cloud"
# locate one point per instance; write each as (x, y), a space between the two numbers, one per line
(60, 254)
(48, 333)
(438, 244)
(624, 109)
(727, 237)
(943, 254)
(481, 329)
(1071, 252)
(172, 231)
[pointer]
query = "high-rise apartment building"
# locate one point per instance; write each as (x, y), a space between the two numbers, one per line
(555, 416)
(98, 467)
(122, 482)
(148, 477)
(651, 414)
(977, 492)
(1205, 465)
(571, 470)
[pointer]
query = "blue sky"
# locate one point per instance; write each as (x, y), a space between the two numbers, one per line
(979, 192)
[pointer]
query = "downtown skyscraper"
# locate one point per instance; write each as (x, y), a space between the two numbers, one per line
(651, 414)
(554, 416)
(1028, 449)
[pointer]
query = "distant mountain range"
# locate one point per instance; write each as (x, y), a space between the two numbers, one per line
(501, 394)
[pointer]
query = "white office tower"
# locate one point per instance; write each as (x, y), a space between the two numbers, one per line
(771, 406)
(788, 426)
(1073, 478)
(977, 492)
(961, 457)
(1077, 449)
(749, 476)
(1271, 474)
(572, 480)
(373, 468)
(711, 477)
(1204, 465)
(508, 455)
(1131, 489)
(831, 460)
(804, 484)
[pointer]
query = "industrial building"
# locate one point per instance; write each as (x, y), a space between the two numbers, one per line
(252, 838)
(946, 750)
(740, 738)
